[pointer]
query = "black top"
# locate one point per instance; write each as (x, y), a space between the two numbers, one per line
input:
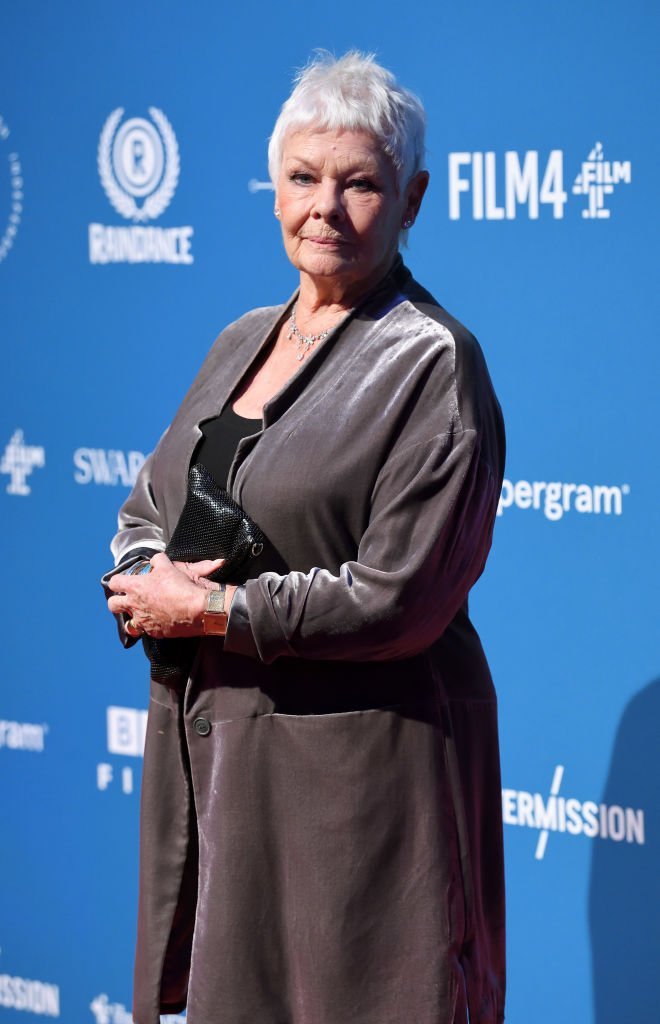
(220, 439)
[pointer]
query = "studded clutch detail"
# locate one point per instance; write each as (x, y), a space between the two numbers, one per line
(211, 525)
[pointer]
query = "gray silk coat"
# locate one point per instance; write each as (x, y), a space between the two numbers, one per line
(321, 837)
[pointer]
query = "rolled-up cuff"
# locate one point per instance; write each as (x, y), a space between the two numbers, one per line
(238, 638)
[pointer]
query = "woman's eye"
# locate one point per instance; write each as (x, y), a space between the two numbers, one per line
(301, 178)
(362, 185)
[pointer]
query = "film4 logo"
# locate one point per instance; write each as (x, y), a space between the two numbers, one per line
(487, 187)
(19, 460)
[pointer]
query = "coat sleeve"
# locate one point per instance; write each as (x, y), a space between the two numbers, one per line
(429, 533)
(139, 535)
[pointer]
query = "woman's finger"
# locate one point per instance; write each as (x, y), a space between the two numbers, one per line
(118, 603)
(117, 582)
(207, 566)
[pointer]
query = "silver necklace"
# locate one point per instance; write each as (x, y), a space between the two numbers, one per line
(303, 341)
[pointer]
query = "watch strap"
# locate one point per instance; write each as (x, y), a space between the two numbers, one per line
(214, 617)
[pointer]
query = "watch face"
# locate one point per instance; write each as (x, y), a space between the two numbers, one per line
(215, 602)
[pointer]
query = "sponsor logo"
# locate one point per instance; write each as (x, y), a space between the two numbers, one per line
(556, 499)
(597, 179)
(139, 165)
(12, 180)
(18, 461)
(23, 735)
(126, 729)
(505, 187)
(106, 1012)
(570, 815)
(38, 997)
(106, 466)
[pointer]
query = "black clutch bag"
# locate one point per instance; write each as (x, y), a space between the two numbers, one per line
(211, 525)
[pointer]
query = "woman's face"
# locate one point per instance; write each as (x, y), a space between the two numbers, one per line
(340, 209)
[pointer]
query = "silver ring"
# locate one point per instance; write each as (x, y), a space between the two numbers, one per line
(140, 569)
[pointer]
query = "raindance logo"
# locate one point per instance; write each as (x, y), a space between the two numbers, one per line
(504, 187)
(106, 1012)
(19, 460)
(566, 814)
(13, 176)
(139, 165)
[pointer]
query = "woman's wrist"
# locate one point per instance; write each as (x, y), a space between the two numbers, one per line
(214, 616)
(217, 605)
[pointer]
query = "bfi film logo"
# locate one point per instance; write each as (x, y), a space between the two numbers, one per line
(126, 729)
(501, 189)
(19, 460)
(139, 166)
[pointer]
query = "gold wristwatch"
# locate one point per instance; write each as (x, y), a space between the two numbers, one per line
(214, 618)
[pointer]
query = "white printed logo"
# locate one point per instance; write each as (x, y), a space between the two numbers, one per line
(23, 735)
(18, 461)
(139, 160)
(501, 188)
(139, 166)
(38, 997)
(15, 186)
(126, 729)
(567, 814)
(597, 179)
(106, 466)
(254, 185)
(106, 1012)
(556, 498)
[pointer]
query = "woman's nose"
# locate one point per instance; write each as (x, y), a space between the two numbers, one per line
(328, 201)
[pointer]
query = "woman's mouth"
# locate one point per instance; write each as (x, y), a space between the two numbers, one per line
(324, 241)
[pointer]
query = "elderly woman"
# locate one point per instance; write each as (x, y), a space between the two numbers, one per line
(321, 833)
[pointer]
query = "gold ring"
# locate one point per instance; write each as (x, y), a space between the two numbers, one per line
(133, 625)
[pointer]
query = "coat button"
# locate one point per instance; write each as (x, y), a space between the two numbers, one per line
(202, 726)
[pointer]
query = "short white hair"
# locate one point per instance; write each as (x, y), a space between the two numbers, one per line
(354, 93)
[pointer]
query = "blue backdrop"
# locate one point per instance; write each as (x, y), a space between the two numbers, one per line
(134, 224)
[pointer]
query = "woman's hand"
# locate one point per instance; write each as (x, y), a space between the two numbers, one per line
(198, 571)
(168, 601)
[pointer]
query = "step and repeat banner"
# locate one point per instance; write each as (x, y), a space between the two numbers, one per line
(135, 222)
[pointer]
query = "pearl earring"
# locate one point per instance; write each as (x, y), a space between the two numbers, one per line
(277, 211)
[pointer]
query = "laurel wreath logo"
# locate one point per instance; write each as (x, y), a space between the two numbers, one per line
(16, 182)
(159, 200)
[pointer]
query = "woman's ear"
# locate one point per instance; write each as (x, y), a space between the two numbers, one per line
(414, 194)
